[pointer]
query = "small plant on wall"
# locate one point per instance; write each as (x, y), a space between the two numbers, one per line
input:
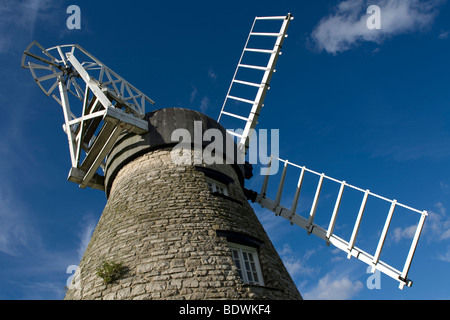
(111, 271)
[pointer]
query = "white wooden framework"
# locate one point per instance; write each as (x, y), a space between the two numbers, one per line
(241, 115)
(328, 234)
(256, 104)
(104, 106)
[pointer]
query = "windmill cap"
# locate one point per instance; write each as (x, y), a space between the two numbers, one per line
(162, 124)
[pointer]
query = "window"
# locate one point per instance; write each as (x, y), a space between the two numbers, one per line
(215, 186)
(247, 263)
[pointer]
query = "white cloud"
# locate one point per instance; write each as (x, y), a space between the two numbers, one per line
(437, 148)
(346, 27)
(404, 233)
(18, 19)
(444, 34)
(441, 208)
(194, 93)
(437, 224)
(338, 256)
(436, 227)
(204, 104)
(274, 226)
(16, 231)
(85, 235)
(445, 256)
(332, 288)
(212, 75)
(445, 188)
(294, 264)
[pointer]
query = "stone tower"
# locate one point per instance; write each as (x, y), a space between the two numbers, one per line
(180, 231)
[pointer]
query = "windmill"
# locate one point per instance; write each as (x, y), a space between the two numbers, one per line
(118, 147)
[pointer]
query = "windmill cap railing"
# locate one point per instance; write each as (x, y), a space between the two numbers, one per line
(328, 234)
(107, 79)
(105, 105)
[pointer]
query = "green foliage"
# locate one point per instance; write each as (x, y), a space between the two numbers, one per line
(111, 271)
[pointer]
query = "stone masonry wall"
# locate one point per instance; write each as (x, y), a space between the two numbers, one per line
(160, 221)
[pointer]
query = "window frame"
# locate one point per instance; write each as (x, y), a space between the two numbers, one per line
(216, 185)
(243, 250)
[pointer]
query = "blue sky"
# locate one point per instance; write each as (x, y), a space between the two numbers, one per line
(367, 106)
